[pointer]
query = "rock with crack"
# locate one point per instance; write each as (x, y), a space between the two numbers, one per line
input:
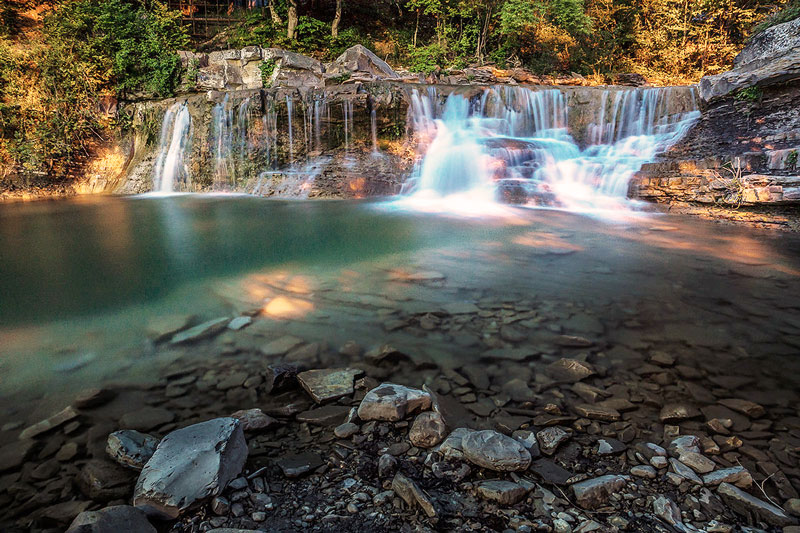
(595, 492)
(131, 448)
(746, 504)
(495, 451)
(412, 494)
(551, 438)
(328, 384)
(392, 402)
(452, 447)
(189, 466)
(114, 519)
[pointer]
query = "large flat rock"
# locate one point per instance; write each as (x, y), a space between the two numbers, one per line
(189, 466)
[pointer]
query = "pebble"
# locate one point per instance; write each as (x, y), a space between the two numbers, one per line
(346, 430)
(644, 471)
(131, 448)
(551, 438)
(502, 492)
(328, 384)
(410, 492)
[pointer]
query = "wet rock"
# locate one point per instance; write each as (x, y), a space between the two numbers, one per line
(346, 430)
(665, 509)
(452, 447)
(201, 331)
(104, 481)
(115, 519)
(254, 419)
(573, 341)
(146, 419)
(281, 346)
(296, 465)
(67, 452)
(751, 409)
(518, 390)
(131, 448)
(746, 504)
(675, 412)
(595, 492)
(239, 322)
(502, 492)
(495, 451)
(412, 494)
(427, 430)
(551, 438)
(62, 417)
(94, 397)
(736, 475)
(189, 466)
(14, 454)
(392, 402)
(569, 370)
(328, 384)
(327, 415)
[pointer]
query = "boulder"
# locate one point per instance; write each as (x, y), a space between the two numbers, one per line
(359, 59)
(427, 430)
(392, 402)
(189, 466)
(114, 519)
(772, 42)
(293, 69)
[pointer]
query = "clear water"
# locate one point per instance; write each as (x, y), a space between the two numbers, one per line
(82, 281)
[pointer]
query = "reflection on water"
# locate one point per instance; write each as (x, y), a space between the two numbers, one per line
(82, 283)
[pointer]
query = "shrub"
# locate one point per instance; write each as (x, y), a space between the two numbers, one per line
(426, 59)
(787, 13)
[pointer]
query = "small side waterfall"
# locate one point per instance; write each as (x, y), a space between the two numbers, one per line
(521, 143)
(170, 169)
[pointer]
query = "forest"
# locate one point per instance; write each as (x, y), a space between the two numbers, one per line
(62, 61)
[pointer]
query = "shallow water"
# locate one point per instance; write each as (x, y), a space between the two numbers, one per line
(82, 281)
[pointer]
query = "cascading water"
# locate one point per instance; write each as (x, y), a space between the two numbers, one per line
(518, 142)
(170, 169)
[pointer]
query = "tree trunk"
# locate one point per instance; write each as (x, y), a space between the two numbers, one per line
(336, 20)
(416, 29)
(292, 19)
(276, 19)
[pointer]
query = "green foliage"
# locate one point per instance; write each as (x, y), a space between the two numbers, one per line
(133, 46)
(789, 12)
(749, 94)
(426, 59)
(267, 68)
(791, 159)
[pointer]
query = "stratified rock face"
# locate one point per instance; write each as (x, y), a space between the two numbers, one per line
(189, 466)
(771, 58)
(772, 42)
(115, 519)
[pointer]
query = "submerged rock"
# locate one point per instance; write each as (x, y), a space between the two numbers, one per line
(201, 331)
(495, 451)
(392, 402)
(62, 417)
(114, 519)
(131, 448)
(189, 466)
(328, 384)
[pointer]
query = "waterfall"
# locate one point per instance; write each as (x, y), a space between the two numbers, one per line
(518, 141)
(289, 114)
(170, 169)
(232, 147)
(373, 118)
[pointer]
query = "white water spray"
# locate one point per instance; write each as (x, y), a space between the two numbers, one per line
(170, 169)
